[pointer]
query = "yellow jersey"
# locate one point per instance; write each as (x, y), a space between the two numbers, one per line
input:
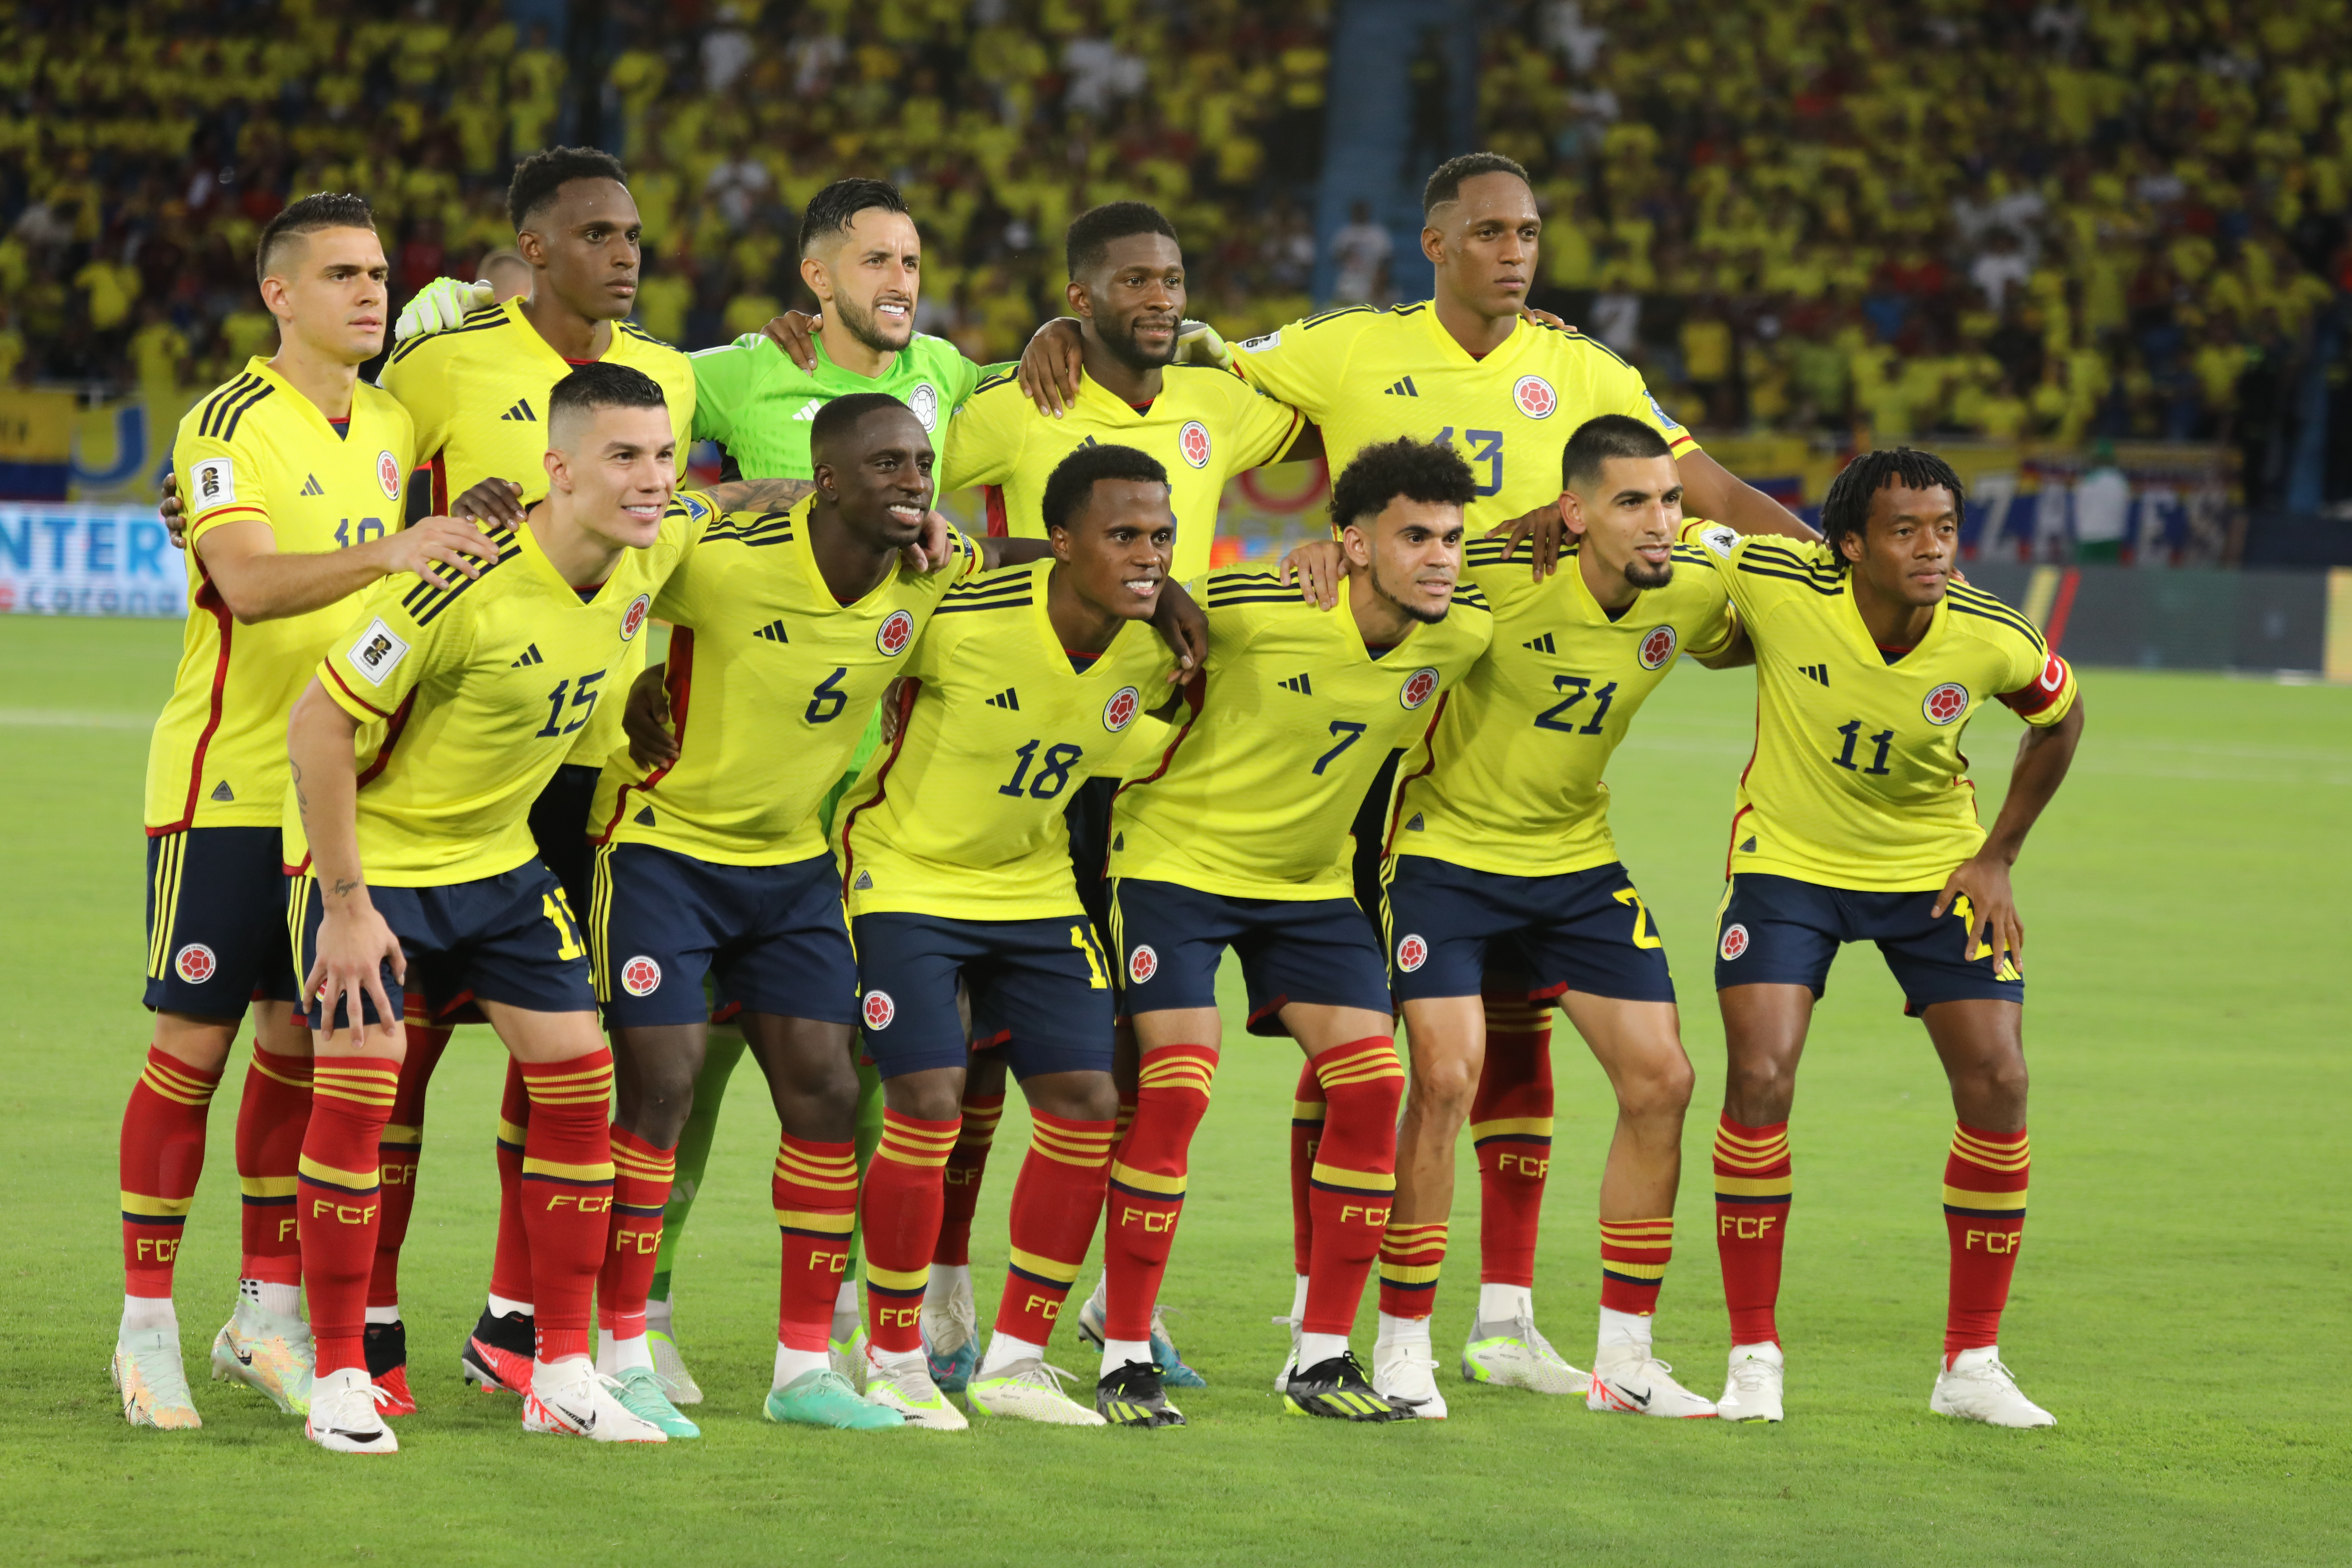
(771, 683)
(962, 816)
(1368, 375)
(1256, 793)
(1507, 778)
(470, 697)
(1206, 426)
(257, 449)
(1857, 779)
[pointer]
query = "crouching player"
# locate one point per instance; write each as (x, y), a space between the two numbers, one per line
(1856, 822)
(432, 725)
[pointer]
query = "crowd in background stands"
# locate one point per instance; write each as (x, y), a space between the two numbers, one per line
(143, 146)
(2114, 218)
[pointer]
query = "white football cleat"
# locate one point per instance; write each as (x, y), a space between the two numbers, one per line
(661, 1335)
(1516, 1355)
(1753, 1390)
(903, 1383)
(573, 1399)
(1978, 1387)
(849, 1357)
(1628, 1379)
(149, 1378)
(343, 1417)
(266, 1352)
(950, 1332)
(1405, 1372)
(1029, 1390)
(1290, 1362)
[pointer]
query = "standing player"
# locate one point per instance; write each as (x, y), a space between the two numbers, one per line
(291, 474)
(423, 856)
(1239, 838)
(956, 861)
(1856, 822)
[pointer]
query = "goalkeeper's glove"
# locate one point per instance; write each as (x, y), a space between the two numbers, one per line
(1197, 342)
(440, 306)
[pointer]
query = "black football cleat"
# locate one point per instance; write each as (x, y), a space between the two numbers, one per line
(1338, 1390)
(1134, 1396)
(499, 1352)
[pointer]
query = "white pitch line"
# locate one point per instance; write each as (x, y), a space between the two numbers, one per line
(66, 719)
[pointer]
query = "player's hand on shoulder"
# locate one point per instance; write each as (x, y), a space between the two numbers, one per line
(168, 508)
(492, 501)
(795, 331)
(440, 306)
(1179, 620)
(1548, 528)
(1545, 317)
(440, 549)
(935, 549)
(1993, 911)
(1318, 564)
(645, 719)
(1050, 366)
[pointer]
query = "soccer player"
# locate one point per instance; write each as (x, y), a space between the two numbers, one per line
(955, 859)
(1239, 838)
(417, 750)
(292, 473)
(1856, 822)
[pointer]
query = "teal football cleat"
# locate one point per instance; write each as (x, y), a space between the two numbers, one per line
(823, 1398)
(641, 1395)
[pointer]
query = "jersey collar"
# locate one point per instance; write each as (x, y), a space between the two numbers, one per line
(544, 570)
(1867, 649)
(1346, 616)
(1115, 410)
(540, 348)
(1040, 572)
(804, 547)
(1455, 355)
(315, 416)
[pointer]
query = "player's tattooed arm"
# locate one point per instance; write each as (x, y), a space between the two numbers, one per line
(2043, 758)
(795, 333)
(353, 942)
(644, 719)
(759, 495)
(1050, 366)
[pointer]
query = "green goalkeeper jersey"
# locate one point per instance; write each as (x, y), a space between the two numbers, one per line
(755, 402)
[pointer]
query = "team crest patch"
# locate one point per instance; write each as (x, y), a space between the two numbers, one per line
(212, 482)
(896, 633)
(634, 616)
(1141, 965)
(1658, 646)
(1735, 941)
(879, 1009)
(1945, 703)
(641, 976)
(1412, 954)
(1535, 396)
(387, 474)
(378, 652)
(1193, 442)
(1120, 712)
(1418, 686)
(923, 400)
(195, 963)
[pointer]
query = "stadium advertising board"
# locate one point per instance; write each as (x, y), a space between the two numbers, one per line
(62, 560)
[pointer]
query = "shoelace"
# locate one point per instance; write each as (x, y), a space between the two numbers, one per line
(1427, 1364)
(911, 1383)
(1047, 1379)
(1750, 1374)
(378, 1394)
(1533, 1338)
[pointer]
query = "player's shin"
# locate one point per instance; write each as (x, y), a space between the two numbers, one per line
(814, 1193)
(1307, 1111)
(1511, 1128)
(338, 1200)
(511, 1284)
(402, 1149)
(1984, 1213)
(1147, 1184)
(567, 1195)
(722, 1049)
(162, 1154)
(1055, 1204)
(967, 1163)
(271, 1117)
(641, 1181)
(900, 1211)
(1351, 1187)
(1752, 1188)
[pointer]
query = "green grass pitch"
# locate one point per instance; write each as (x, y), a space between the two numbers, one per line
(2181, 1303)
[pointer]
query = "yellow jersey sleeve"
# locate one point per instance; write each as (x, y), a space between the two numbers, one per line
(405, 632)
(1262, 426)
(986, 436)
(215, 486)
(1620, 389)
(1305, 364)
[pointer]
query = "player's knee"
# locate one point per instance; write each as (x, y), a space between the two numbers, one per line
(1658, 1087)
(2001, 1084)
(1441, 1091)
(928, 1098)
(1759, 1088)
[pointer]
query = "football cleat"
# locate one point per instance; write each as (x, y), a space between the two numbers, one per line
(1337, 1388)
(387, 1363)
(1515, 1355)
(1752, 1393)
(825, 1399)
(1172, 1370)
(148, 1375)
(267, 1353)
(850, 1362)
(639, 1390)
(499, 1352)
(1290, 1363)
(1029, 1390)
(1627, 1378)
(1405, 1373)
(573, 1399)
(678, 1383)
(1978, 1387)
(902, 1383)
(1135, 1395)
(951, 1341)
(346, 1415)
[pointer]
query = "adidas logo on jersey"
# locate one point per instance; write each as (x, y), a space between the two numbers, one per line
(808, 410)
(1541, 645)
(1403, 389)
(1415, 826)
(1007, 698)
(773, 631)
(865, 883)
(530, 655)
(1749, 848)
(644, 819)
(1298, 683)
(312, 487)
(221, 791)
(1820, 672)
(521, 411)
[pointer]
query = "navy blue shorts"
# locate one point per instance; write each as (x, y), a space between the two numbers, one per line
(1316, 952)
(1777, 930)
(1041, 984)
(771, 937)
(216, 933)
(511, 938)
(1455, 931)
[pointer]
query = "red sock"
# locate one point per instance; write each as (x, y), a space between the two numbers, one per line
(642, 1175)
(338, 1199)
(901, 1210)
(1984, 1210)
(1752, 1184)
(403, 1146)
(1633, 1258)
(1057, 1202)
(162, 1153)
(1307, 1109)
(567, 1194)
(270, 1121)
(1354, 1179)
(1146, 1183)
(510, 1263)
(1412, 1256)
(1510, 1125)
(815, 1194)
(961, 1177)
